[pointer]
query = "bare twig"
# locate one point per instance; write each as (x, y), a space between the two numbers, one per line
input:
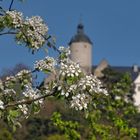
(53, 46)
(2, 10)
(12, 1)
(9, 32)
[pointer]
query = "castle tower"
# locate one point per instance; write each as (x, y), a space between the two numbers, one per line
(81, 49)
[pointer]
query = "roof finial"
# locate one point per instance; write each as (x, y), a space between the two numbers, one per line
(80, 27)
(80, 20)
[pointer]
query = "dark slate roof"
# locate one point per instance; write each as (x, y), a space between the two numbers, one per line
(124, 69)
(80, 36)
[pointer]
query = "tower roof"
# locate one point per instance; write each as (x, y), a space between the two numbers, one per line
(80, 35)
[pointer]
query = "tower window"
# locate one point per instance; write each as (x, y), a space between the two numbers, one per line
(85, 46)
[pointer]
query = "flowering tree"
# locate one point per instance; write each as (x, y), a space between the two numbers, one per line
(82, 92)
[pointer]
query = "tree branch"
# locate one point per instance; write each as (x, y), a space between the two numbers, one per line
(2, 10)
(53, 46)
(30, 100)
(12, 1)
(9, 32)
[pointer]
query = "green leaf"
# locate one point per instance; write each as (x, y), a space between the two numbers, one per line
(14, 113)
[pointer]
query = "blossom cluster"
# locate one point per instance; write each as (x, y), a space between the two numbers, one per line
(16, 17)
(9, 92)
(23, 72)
(92, 84)
(36, 31)
(70, 69)
(9, 81)
(69, 92)
(9, 85)
(80, 101)
(31, 93)
(24, 76)
(80, 92)
(23, 108)
(6, 93)
(45, 64)
(63, 92)
(65, 51)
(31, 31)
(85, 88)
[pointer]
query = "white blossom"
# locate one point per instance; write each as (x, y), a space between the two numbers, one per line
(1, 85)
(59, 88)
(24, 109)
(117, 97)
(70, 69)
(1, 104)
(80, 101)
(61, 48)
(62, 92)
(46, 89)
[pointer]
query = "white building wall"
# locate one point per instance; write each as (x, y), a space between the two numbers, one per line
(136, 96)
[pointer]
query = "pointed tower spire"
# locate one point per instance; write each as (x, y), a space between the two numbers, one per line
(80, 35)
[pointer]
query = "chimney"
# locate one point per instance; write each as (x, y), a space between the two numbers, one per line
(135, 68)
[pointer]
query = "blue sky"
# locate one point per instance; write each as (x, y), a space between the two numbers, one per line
(112, 25)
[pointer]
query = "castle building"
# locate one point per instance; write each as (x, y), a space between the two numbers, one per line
(81, 52)
(81, 49)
